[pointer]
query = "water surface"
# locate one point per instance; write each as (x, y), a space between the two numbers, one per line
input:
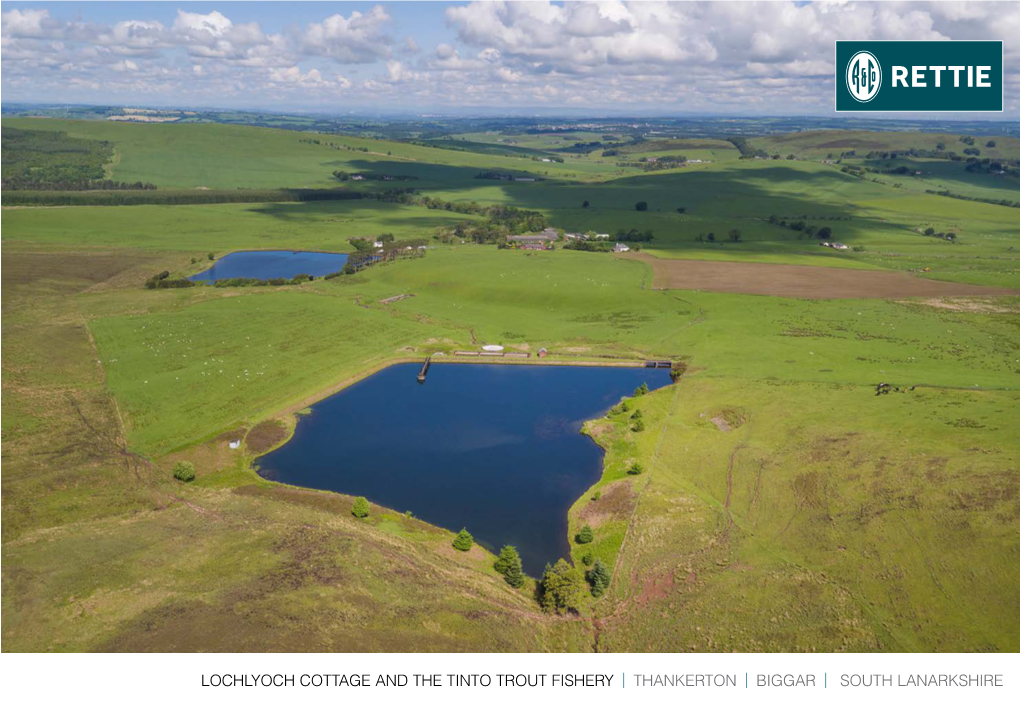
(266, 264)
(495, 448)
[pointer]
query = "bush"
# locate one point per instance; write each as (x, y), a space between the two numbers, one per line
(360, 507)
(509, 564)
(585, 535)
(641, 390)
(212, 256)
(184, 471)
(561, 588)
(599, 577)
(635, 469)
(464, 540)
(639, 426)
(636, 415)
(596, 495)
(641, 206)
(588, 558)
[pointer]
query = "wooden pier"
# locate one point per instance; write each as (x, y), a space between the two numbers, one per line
(424, 369)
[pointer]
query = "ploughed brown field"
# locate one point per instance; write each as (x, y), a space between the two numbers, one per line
(802, 281)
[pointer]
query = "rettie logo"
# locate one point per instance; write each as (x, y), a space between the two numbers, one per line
(919, 76)
(863, 76)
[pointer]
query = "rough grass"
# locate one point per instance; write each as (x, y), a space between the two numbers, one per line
(831, 520)
(102, 551)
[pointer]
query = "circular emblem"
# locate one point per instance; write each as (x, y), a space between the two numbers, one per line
(863, 76)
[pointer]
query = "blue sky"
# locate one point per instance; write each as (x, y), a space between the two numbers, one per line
(585, 57)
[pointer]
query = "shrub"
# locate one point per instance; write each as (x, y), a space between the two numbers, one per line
(509, 564)
(585, 535)
(184, 471)
(212, 256)
(641, 390)
(681, 210)
(635, 469)
(639, 426)
(596, 495)
(585, 204)
(598, 577)
(588, 558)
(561, 588)
(641, 206)
(464, 540)
(636, 415)
(360, 507)
(677, 371)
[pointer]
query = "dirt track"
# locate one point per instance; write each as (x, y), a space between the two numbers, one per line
(802, 281)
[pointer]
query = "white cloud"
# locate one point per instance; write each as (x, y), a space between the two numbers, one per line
(358, 38)
(29, 24)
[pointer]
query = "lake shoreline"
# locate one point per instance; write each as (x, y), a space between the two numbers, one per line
(529, 442)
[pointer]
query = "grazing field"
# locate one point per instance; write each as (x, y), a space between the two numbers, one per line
(821, 143)
(771, 500)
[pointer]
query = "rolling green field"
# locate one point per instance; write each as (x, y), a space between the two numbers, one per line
(820, 143)
(782, 505)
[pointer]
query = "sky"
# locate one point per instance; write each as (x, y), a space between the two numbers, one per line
(758, 58)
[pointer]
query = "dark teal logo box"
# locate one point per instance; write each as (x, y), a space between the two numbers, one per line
(943, 91)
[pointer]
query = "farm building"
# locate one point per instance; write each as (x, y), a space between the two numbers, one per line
(621, 248)
(534, 241)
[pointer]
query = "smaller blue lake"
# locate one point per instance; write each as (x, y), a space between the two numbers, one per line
(266, 264)
(495, 448)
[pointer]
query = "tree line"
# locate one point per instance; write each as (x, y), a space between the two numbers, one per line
(177, 197)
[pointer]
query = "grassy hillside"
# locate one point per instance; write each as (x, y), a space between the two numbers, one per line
(103, 551)
(821, 143)
(226, 156)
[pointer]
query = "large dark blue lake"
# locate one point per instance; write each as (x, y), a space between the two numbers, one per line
(266, 264)
(494, 448)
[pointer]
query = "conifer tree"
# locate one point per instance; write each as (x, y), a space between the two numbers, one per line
(463, 541)
(599, 578)
(360, 507)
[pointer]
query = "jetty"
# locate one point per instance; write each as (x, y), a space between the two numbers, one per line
(424, 369)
